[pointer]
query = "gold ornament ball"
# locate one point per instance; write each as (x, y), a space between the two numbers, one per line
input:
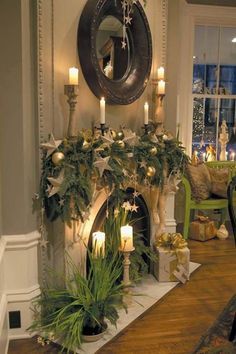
(57, 158)
(85, 145)
(113, 134)
(120, 135)
(151, 171)
(121, 144)
(153, 151)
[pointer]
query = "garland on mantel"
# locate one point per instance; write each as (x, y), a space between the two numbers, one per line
(73, 169)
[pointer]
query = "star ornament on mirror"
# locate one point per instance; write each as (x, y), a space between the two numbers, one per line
(102, 164)
(51, 145)
(124, 3)
(123, 44)
(128, 20)
(56, 183)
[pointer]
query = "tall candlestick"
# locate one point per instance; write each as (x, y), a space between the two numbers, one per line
(73, 76)
(102, 110)
(160, 73)
(98, 244)
(127, 238)
(146, 108)
(161, 87)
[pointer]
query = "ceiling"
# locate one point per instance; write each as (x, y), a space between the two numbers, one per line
(213, 2)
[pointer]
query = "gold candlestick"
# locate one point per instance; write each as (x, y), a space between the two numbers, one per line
(71, 91)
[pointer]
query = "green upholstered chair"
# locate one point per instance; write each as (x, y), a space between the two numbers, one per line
(209, 204)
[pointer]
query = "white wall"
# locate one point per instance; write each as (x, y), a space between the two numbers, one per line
(18, 122)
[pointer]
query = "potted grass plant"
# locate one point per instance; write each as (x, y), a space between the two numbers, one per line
(82, 306)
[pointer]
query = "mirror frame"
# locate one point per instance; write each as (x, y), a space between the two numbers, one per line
(130, 87)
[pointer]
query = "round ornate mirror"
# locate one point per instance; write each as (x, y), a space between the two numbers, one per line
(116, 64)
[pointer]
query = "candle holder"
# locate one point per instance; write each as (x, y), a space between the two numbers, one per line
(103, 128)
(71, 91)
(146, 128)
(126, 264)
(158, 99)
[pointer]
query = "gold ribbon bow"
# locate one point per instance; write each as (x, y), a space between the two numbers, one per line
(172, 241)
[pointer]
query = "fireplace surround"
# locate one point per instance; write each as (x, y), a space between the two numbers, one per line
(75, 239)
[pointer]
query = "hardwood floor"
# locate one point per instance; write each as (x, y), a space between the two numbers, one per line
(175, 324)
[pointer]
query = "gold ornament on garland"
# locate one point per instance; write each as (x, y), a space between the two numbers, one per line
(120, 135)
(153, 151)
(57, 158)
(132, 152)
(121, 144)
(150, 171)
(86, 145)
(113, 134)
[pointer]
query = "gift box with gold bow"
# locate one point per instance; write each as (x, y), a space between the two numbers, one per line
(202, 229)
(173, 258)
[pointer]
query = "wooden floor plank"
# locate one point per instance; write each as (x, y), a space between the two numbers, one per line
(175, 324)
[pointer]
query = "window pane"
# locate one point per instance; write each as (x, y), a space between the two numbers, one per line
(204, 127)
(205, 74)
(214, 73)
(227, 55)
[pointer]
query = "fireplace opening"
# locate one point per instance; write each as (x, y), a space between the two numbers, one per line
(140, 220)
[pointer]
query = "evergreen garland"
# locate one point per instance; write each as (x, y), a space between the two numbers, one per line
(125, 162)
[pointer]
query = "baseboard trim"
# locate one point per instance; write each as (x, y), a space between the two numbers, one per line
(3, 314)
(18, 282)
(19, 336)
(3, 310)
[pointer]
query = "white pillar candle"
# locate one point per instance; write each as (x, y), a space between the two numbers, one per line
(232, 156)
(161, 87)
(73, 76)
(126, 233)
(102, 110)
(226, 154)
(146, 108)
(204, 156)
(98, 243)
(160, 73)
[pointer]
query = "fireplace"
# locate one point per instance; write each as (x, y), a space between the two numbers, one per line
(140, 220)
(75, 239)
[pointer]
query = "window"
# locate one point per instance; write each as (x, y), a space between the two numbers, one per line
(214, 91)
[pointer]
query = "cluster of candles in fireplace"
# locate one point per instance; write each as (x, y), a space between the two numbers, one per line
(126, 238)
(74, 80)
